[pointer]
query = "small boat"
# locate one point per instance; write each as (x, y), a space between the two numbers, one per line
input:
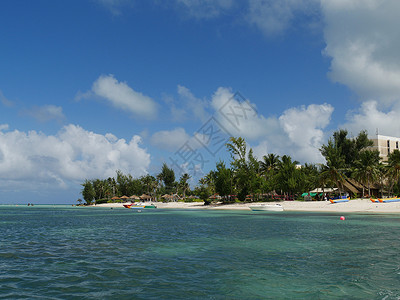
(266, 207)
(139, 206)
(374, 200)
(387, 200)
(150, 206)
(339, 199)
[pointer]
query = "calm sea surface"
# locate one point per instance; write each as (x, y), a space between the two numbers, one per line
(64, 252)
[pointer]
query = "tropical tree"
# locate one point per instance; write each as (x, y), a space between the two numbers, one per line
(149, 183)
(350, 148)
(168, 176)
(366, 169)
(223, 180)
(333, 170)
(113, 185)
(269, 163)
(309, 177)
(88, 192)
(288, 176)
(122, 182)
(183, 183)
(208, 181)
(245, 168)
(393, 169)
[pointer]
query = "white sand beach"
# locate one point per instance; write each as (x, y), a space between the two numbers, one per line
(353, 206)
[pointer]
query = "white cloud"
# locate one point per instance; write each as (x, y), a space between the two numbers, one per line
(298, 132)
(46, 113)
(188, 107)
(240, 118)
(370, 118)
(205, 9)
(3, 127)
(122, 96)
(74, 154)
(275, 17)
(363, 41)
(172, 140)
(304, 128)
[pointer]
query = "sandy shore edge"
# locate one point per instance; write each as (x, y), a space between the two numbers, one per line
(354, 206)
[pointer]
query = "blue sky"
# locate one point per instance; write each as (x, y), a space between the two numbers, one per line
(88, 87)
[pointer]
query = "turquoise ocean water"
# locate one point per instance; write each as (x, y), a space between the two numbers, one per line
(64, 252)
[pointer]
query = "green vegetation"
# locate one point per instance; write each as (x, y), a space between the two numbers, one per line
(350, 166)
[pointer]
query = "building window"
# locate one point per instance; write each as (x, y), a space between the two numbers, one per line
(388, 146)
(397, 145)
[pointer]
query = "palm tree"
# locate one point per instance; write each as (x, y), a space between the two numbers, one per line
(288, 175)
(183, 183)
(269, 163)
(149, 182)
(367, 168)
(334, 168)
(334, 175)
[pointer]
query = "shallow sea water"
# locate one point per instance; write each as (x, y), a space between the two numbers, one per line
(64, 252)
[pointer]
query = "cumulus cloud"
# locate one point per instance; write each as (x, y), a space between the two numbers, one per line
(46, 113)
(275, 17)
(304, 128)
(298, 132)
(187, 106)
(369, 117)
(122, 96)
(73, 154)
(239, 117)
(3, 127)
(172, 140)
(363, 41)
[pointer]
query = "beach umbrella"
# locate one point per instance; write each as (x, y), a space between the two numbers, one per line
(134, 197)
(145, 197)
(115, 198)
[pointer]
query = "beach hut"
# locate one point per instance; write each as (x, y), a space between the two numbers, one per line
(134, 197)
(124, 198)
(145, 197)
(115, 198)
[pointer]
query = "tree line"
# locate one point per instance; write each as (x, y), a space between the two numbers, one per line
(103, 190)
(246, 178)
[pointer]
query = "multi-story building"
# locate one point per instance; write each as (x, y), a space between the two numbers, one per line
(385, 145)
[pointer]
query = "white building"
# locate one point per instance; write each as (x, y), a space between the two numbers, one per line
(385, 145)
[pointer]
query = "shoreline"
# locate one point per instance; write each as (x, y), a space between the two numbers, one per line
(353, 206)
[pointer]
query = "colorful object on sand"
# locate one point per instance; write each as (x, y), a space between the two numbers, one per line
(139, 206)
(387, 200)
(340, 199)
(374, 200)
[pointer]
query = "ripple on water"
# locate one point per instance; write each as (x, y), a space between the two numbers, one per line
(60, 252)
